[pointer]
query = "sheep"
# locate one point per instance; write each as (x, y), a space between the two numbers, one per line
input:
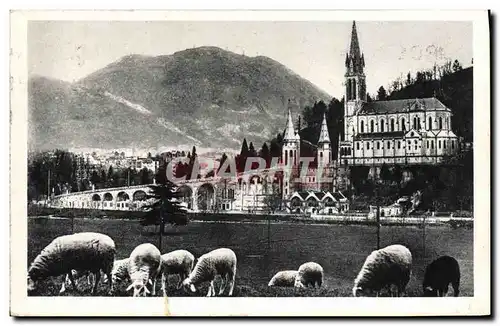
(310, 273)
(180, 262)
(85, 251)
(120, 270)
(143, 268)
(283, 278)
(439, 274)
(221, 262)
(382, 269)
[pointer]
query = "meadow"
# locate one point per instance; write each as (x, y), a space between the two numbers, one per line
(340, 249)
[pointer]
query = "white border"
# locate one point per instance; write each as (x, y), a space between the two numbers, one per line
(67, 306)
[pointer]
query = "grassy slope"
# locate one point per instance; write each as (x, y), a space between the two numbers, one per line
(341, 250)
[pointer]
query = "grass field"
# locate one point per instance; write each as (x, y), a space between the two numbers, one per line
(340, 249)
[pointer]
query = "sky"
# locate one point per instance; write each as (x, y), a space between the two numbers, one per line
(70, 50)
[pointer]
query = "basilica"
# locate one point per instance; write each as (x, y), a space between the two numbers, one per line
(410, 131)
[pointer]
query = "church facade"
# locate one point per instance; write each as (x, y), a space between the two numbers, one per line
(410, 131)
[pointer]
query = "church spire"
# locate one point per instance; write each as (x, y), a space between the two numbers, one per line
(324, 137)
(355, 56)
(289, 131)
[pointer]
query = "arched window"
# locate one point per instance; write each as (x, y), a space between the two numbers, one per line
(432, 144)
(439, 144)
(427, 144)
(286, 157)
(399, 144)
(392, 124)
(452, 144)
(440, 123)
(372, 126)
(348, 90)
(429, 126)
(444, 144)
(419, 124)
(403, 124)
(378, 145)
(388, 145)
(382, 122)
(321, 154)
(415, 123)
(368, 145)
(362, 126)
(354, 89)
(357, 146)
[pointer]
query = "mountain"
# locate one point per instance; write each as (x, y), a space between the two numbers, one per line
(204, 96)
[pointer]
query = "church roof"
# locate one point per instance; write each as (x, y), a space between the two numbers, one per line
(400, 106)
(324, 136)
(289, 131)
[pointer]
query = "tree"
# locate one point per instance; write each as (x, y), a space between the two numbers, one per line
(164, 207)
(265, 153)
(456, 66)
(368, 97)
(244, 148)
(385, 174)
(251, 150)
(381, 94)
(408, 79)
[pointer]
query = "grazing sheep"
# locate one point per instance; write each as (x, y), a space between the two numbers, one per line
(310, 273)
(143, 268)
(120, 270)
(283, 278)
(180, 262)
(439, 274)
(221, 262)
(382, 268)
(86, 251)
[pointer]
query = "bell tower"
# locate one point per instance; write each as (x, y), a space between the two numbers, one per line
(355, 83)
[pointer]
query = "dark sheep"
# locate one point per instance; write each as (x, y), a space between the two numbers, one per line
(438, 276)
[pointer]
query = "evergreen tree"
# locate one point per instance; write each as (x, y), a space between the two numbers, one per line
(221, 163)
(381, 94)
(456, 66)
(244, 148)
(251, 150)
(265, 153)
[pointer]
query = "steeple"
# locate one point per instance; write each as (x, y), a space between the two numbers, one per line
(289, 131)
(355, 57)
(324, 137)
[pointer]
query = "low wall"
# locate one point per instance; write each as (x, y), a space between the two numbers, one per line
(245, 217)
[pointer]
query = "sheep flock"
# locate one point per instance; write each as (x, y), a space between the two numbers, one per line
(92, 256)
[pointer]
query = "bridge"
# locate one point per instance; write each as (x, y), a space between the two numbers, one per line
(197, 193)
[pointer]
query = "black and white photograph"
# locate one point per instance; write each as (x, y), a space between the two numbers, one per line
(188, 157)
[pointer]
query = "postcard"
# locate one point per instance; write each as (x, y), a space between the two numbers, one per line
(250, 163)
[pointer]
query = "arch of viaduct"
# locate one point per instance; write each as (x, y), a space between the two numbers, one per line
(126, 198)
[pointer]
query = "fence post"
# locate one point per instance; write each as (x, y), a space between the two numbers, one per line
(268, 233)
(423, 236)
(378, 226)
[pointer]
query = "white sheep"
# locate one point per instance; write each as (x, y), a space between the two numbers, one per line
(283, 278)
(143, 268)
(309, 273)
(384, 268)
(221, 262)
(86, 251)
(180, 262)
(120, 270)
